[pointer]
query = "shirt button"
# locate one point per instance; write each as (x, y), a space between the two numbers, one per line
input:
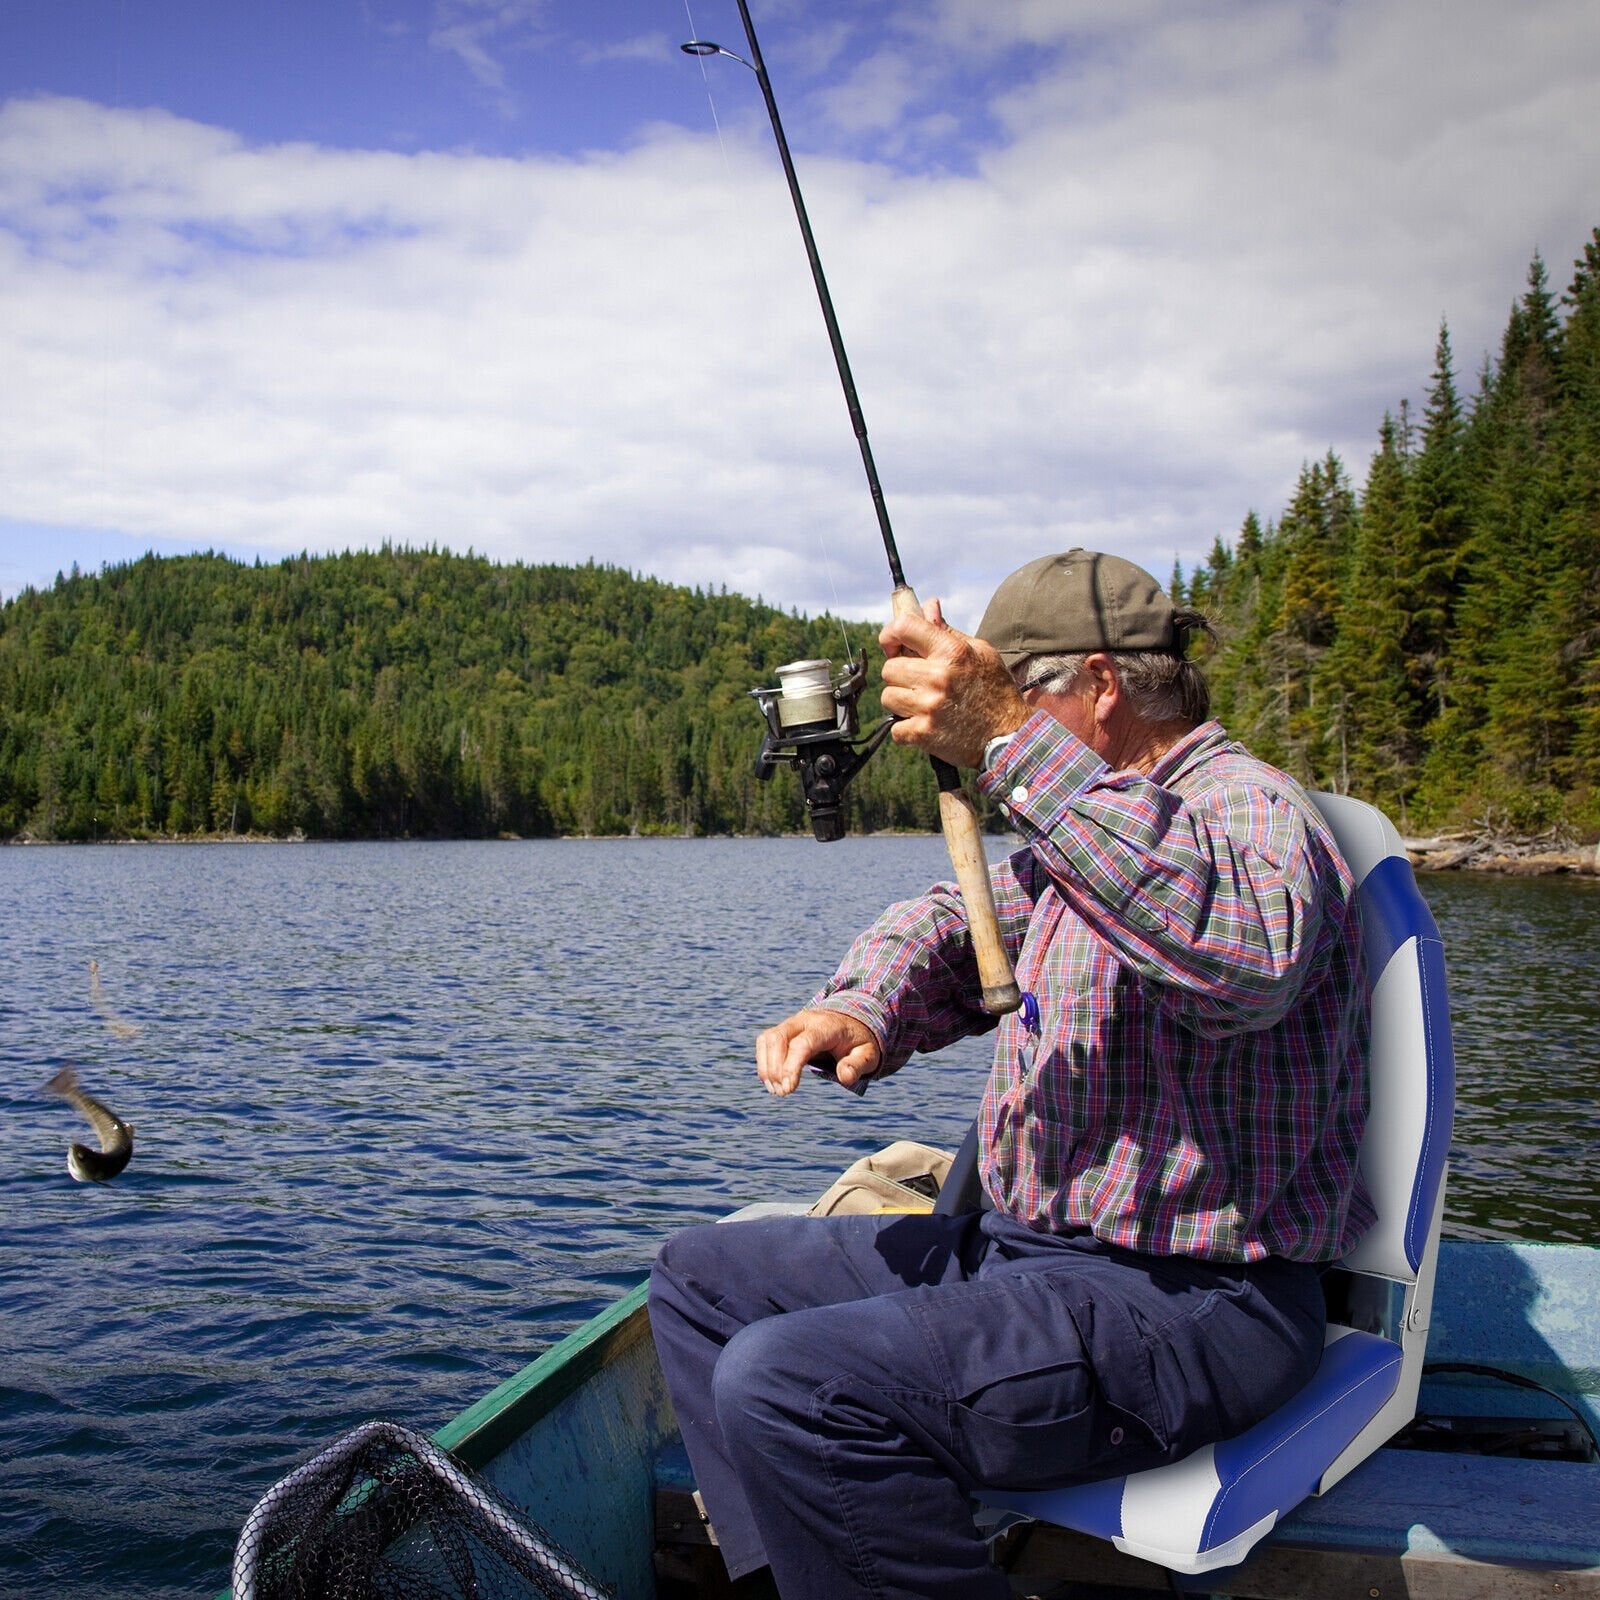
(1019, 795)
(1116, 1436)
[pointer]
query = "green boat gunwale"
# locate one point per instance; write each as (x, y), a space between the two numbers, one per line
(486, 1428)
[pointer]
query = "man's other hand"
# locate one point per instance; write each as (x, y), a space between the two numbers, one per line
(783, 1051)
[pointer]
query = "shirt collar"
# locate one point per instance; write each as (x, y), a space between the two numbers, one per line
(1196, 746)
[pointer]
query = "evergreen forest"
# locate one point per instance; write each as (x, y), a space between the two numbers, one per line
(1429, 640)
(404, 693)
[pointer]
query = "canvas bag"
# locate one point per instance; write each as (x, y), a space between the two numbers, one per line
(903, 1176)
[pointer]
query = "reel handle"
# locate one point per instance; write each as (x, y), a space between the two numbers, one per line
(959, 819)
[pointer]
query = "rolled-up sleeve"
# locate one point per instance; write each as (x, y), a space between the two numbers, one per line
(1217, 903)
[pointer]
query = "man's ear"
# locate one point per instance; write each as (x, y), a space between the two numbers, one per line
(1102, 672)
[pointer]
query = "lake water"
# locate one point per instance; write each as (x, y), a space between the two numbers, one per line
(409, 1113)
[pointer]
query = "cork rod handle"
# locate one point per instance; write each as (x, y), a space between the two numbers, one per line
(959, 819)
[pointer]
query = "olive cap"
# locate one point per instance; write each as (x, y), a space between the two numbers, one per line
(1075, 603)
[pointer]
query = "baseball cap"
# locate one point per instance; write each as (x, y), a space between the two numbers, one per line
(1077, 602)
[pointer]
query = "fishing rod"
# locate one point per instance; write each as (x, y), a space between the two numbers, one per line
(823, 746)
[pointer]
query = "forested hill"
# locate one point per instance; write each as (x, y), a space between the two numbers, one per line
(1432, 642)
(402, 693)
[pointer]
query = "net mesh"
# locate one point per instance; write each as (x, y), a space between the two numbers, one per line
(384, 1514)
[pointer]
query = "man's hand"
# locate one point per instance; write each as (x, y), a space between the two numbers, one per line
(951, 692)
(783, 1051)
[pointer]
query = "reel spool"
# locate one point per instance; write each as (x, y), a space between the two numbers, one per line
(813, 725)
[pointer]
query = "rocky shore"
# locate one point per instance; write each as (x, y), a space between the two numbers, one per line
(1484, 852)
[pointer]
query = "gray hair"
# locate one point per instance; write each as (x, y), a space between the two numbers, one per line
(1160, 687)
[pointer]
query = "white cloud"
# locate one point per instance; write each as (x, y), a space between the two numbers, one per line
(1213, 242)
(651, 47)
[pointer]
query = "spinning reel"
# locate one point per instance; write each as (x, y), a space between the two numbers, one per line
(812, 724)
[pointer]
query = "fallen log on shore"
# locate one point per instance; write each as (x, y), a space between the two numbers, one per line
(1491, 851)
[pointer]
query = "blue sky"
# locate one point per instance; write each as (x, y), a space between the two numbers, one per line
(521, 277)
(504, 80)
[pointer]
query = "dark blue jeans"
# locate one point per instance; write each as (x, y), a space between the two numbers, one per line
(844, 1383)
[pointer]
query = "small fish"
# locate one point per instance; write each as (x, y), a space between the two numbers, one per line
(115, 1135)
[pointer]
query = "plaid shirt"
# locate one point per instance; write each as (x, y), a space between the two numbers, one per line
(1195, 1081)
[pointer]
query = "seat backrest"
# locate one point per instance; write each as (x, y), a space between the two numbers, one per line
(1387, 1279)
(1411, 1067)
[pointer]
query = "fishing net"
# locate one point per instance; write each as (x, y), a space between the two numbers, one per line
(383, 1514)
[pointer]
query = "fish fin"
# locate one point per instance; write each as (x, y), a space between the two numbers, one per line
(63, 1083)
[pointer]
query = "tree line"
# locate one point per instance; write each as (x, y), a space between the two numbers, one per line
(404, 693)
(1429, 641)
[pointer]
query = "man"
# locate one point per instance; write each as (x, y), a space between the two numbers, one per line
(1168, 1136)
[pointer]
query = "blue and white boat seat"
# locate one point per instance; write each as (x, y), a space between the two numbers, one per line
(1209, 1509)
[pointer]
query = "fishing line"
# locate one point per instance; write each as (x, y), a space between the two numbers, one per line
(705, 78)
(827, 559)
(838, 610)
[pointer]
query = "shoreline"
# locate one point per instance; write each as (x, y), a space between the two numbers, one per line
(25, 842)
(1445, 853)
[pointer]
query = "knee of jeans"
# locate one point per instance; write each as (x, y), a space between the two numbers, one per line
(682, 1257)
(758, 1379)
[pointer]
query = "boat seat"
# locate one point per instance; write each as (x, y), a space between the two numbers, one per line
(1209, 1509)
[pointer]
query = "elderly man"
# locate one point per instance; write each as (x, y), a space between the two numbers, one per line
(1167, 1140)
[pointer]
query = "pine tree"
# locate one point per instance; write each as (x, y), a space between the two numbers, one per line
(1431, 582)
(1317, 534)
(1370, 743)
(1575, 597)
(1502, 731)
(399, 692)
(1248, 692)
